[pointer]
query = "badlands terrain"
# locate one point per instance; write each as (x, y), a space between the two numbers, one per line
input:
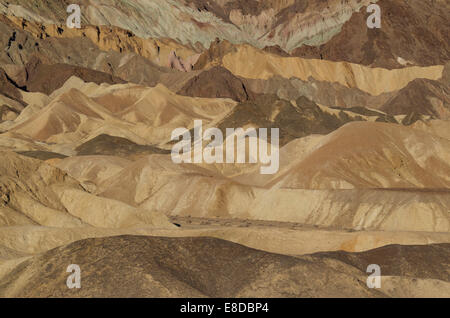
(87, 176)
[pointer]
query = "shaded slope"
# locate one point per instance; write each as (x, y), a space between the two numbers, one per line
(421, 97)
(10, 109)
(178, 267)
(420, 261)
(42, 155)
(8, 89)
(115, 146)
(46, 78)
(216, 82)
(294, 120)
(138, 266)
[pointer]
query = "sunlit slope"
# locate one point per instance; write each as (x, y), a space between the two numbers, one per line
(249, 62)
(79, 112)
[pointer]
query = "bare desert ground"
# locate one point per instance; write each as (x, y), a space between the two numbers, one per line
(361, 164)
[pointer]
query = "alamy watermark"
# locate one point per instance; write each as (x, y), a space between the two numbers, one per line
(374, 280)
(74, 280)
(74, 19)
(374, 20)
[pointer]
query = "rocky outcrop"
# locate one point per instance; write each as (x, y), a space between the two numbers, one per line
(216, 82)
(115, 146)
(421, 97)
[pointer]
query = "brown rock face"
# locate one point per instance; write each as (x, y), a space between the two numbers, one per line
(398, 260)
(8, 89)
(421, 97)
(216, 82)
(46, 78)
(415, 31)
(276, 49)
(137, 266)
(115, 146)
(294, 121)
